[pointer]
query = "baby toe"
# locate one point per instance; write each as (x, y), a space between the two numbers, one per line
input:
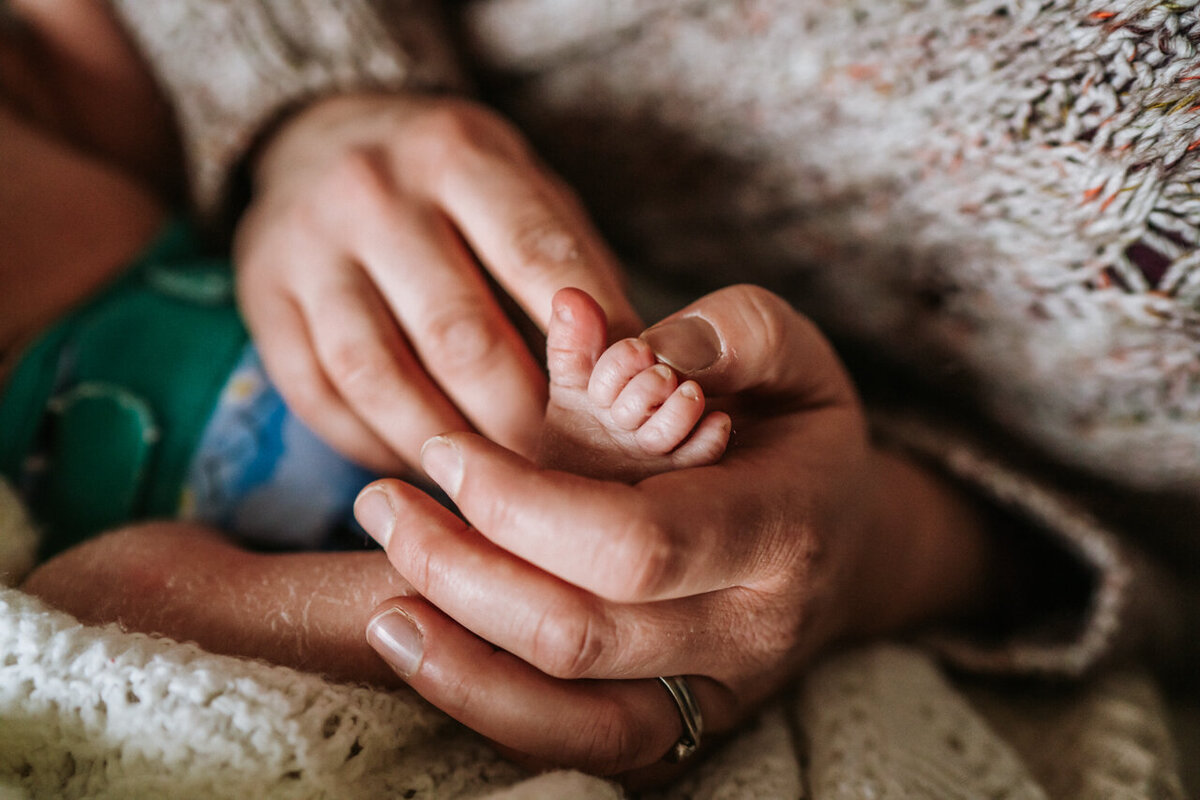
(642, 395)
(707, 443)
(615, 368)
(673, 421)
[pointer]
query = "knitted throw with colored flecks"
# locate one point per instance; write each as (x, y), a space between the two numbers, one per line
(996, 192)
(1000, 192)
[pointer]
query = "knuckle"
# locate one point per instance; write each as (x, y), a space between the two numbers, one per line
(451, 121)
(764, 310)
(766, 318)
(416, 565)
(612, 742)
(462, 697)
(568, 645)
(776, 630)
(303, 395)
(360, 180)
(302, 390)
(358, 370)
(460, 336)
(543, 248)
(458, 128)
(271, 240)
(648, 558)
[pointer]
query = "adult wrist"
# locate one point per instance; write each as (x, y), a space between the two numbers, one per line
(971, 575)
(222, 113)
(927, 555)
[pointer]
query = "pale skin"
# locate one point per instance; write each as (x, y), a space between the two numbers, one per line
(54, 228)
(735, 574)
(732, 567)
(617, 413)
(309, 608)
(370, 312)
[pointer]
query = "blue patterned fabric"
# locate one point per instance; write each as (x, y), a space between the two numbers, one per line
(260, 474)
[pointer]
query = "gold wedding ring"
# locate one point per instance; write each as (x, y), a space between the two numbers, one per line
(689, 713)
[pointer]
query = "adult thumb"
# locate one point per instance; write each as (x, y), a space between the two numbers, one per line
(746, 340)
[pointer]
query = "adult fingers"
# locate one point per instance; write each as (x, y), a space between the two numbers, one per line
(525, 225)
(467, 346)
(561, 629)
(603, 727)
(364, 356)
(746, 339)
(286, 348)
(621, 542)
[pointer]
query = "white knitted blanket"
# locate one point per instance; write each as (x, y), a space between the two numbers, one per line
(1061, 145)
(94, 712)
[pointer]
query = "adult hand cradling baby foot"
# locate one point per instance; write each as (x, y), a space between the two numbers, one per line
(733, 574)
(645, 542)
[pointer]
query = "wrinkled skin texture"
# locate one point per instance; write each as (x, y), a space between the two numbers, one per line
(735, 574)
(364, 264)
(542, 619)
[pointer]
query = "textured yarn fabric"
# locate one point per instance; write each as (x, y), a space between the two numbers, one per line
(93, 712)
(884, 722)
(1023, 168)
(995, 198)
(1000, 190)
(283, 52)
(996, 195)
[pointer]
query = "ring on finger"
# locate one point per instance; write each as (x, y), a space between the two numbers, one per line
(689, 713)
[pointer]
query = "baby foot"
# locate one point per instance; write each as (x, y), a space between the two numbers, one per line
(618, 414)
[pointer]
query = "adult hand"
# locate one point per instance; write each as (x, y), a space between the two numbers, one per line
(733, 574)
(364, 264)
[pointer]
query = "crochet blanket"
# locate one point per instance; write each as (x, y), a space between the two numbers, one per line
(97, 712)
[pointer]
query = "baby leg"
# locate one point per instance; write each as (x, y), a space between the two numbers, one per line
(616, 413)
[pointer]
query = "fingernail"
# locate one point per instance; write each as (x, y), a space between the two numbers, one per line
(397, 639)
(374, 512)
(689, 344)
(443, 463)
